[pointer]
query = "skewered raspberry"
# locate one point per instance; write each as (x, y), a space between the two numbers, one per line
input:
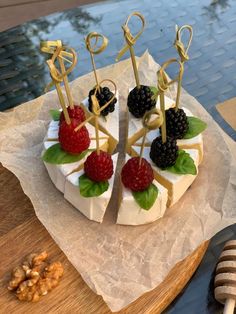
(164, 154)
(176, 123)
(135, 176)
(103, 97)
(140, 100)
(71, 141)
(99, 167)
(77, 113)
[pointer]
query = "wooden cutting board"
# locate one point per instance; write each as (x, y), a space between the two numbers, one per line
(21, 233)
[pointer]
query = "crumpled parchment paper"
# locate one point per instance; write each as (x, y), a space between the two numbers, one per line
(120, 263)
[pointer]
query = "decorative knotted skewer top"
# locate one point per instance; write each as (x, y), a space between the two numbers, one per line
(60, 53)
(183, 53)
(51, 45)
(150, 123)
(94, 48)
(162, 85)
(179, 45)
(130, 41)
(97, 110)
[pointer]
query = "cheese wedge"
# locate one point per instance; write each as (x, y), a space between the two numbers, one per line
(135, 126)
(109, 124)
(176, 184)
(93, 208)
(192, 143)
(58, 173)
(130, 213)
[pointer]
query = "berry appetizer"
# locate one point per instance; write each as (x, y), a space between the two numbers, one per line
(174, 168)
(109, 117)
(65, 148)
(141, 98)
(90, 189)
(180, 122)
(143, 198)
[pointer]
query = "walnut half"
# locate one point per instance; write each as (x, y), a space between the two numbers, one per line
(35, 277)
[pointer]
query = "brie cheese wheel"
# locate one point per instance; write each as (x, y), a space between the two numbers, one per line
(176, 184)
(109, 124)
(135, 125)
(58, 173)
(192, 143)
(130, 213)
(93, 208)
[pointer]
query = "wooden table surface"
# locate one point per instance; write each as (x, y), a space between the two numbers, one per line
(21, 233)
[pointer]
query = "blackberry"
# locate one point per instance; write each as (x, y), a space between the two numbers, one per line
(164, 154)
(140, 100)
(103, 97)
(176, 123)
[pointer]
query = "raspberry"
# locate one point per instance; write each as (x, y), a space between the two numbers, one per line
(176, 123)
(103, 97)
(137, 177)
(71, 141)
(140, 100)
(76, 113)
(99, 167)
(164, 154)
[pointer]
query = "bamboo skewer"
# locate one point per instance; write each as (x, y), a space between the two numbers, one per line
(130, 41)
(56, 80)
(66, 83)
(97, 110)
(163, 126)
(162, 85)
(94, 49)
(58, 50)
(62, 102)
(150, 124)
(183, 53)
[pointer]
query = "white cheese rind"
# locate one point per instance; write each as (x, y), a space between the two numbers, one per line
(93, 208)
(177, 184)
(130, 213)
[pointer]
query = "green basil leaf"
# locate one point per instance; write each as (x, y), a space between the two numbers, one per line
(55, 155)
(89, 188)
(55, 114)
(155, 91)
(183, 165)
(196, 126)
(146, 198)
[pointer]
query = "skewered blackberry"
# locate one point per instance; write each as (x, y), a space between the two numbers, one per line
(140, 100)
(164, 154)
(103, 97)
(176, 123)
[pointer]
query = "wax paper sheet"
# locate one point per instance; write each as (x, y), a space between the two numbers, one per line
(120, 263)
